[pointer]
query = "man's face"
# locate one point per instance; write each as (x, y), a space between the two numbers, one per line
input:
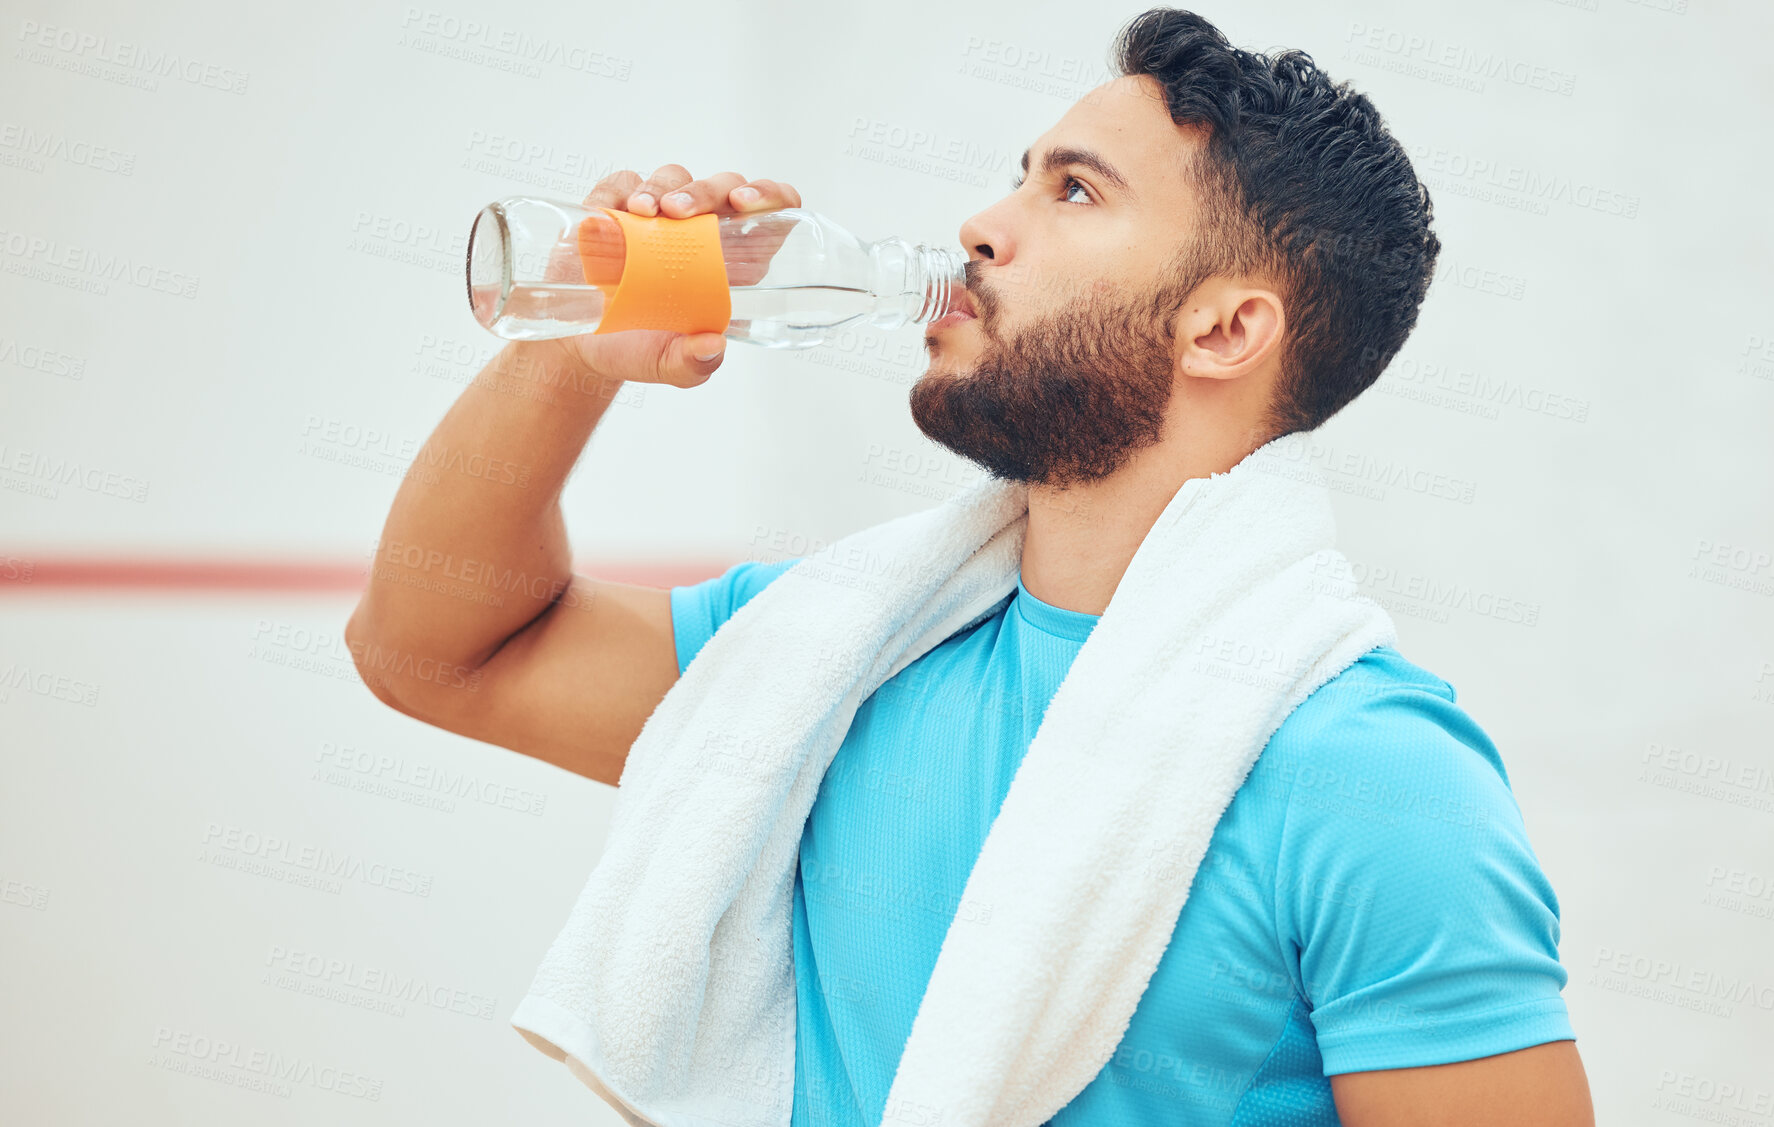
(1067, 369)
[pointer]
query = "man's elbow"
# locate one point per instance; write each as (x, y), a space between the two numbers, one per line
(360, 642)
(441, 691)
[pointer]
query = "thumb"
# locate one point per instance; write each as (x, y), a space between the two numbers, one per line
(694, 358)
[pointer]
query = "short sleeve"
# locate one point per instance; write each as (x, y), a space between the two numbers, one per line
(698, 610)
(1424, 929)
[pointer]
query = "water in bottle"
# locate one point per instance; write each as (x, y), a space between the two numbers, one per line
(539, 269)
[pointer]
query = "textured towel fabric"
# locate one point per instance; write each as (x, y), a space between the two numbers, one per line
(670, 990)
(1369, 899)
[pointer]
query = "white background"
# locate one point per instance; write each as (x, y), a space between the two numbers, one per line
(1592, 370)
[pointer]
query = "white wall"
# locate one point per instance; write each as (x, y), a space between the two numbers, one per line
(1605, 272)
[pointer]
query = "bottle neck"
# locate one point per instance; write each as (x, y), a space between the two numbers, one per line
(914, 284)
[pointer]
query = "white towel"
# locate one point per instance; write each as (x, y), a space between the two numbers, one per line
(671, 989)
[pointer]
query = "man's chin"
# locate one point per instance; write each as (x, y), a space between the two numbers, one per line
(942, 368)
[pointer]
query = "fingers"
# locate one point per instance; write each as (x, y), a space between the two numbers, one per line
(700, 354)
(679, 359)
(651, 355)
(675, 358)
(757, 195)
(613, 189)
(726, 194)
(644, 200)
(699, 196)
(672, 192)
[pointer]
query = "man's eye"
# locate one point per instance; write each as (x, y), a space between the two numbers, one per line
(1071, 183)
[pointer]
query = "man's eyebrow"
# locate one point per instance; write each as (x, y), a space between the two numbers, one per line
(1057, 158)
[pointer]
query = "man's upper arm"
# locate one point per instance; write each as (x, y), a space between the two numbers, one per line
(1419, 922)
(1540, 1086)
(575, 686)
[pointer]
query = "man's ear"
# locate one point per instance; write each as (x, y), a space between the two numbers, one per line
(1227, 330)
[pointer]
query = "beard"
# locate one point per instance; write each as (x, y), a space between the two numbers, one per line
(1065, 401)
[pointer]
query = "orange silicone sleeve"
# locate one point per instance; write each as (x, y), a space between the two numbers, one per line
(674, 276)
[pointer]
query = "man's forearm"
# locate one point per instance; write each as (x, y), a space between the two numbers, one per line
(475, 547)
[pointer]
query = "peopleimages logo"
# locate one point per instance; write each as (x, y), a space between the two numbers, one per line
(1455, 64)
(30, 148)
(309, 972)
(927, 151)
(432, 31)
(46, 683)
(1501, 181)
(382, 767)
(229, 1062)
(37, 357)
(29, 471)
(229, 846)
(93, 268)
(85, 52)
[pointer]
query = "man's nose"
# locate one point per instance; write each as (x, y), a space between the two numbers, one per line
(986, 237)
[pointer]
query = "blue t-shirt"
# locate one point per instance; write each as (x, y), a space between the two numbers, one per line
(1368, 899)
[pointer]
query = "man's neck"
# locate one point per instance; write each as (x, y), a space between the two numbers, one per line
(1080, 539)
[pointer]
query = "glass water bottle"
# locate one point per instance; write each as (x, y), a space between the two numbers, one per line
(535, 268)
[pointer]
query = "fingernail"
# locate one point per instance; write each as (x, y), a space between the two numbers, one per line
(678, 199)
(746, 195)
(642, 199)
(705, 357)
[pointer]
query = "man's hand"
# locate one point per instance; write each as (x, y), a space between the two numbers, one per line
(656, 356)
(1542, 1086)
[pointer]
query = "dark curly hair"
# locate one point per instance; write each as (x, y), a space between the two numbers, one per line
(1301, 183)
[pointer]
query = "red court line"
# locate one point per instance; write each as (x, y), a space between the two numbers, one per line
(196, 575)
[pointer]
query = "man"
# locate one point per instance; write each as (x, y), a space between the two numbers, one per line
(1211, 250)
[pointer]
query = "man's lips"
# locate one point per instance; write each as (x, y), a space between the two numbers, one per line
(962, 308)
